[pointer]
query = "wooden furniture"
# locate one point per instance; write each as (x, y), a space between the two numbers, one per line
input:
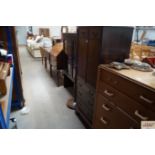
(5, 102)
(44, 31)
(124, 98)
(45, 55)
(97, 45)
(54, 55)
(70, 60)
(56, 39)
(140, 52)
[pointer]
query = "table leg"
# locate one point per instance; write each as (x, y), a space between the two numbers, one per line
(50, 64)
(45, 62)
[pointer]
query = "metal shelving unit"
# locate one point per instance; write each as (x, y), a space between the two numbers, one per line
(14, 85)
(6, 101)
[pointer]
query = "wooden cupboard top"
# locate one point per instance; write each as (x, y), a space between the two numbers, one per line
(145, 78)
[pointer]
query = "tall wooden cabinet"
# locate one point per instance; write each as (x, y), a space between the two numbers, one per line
(70, 60)
(96, 45)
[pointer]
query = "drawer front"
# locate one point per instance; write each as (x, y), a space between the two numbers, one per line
(107, 116)
(137, 111)
(137, 92)
(95, 33)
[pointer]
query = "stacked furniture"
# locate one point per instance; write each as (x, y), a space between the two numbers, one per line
(96, 45)
(124, 98)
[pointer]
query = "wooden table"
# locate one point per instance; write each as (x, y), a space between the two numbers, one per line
(53, 55)
(45, 54)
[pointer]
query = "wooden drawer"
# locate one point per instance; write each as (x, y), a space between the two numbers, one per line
(132, 89)
(134, 109)
(109, 117)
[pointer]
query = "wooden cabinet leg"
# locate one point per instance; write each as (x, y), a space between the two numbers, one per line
(45, 62)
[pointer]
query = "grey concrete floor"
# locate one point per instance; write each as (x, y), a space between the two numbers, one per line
(46, 101)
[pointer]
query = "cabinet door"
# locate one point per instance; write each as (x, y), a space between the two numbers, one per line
(116, 43)
(82, 51)
(94, 47)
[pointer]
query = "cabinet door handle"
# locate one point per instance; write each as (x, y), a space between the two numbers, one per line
(145, 99)
(105, 107)
(108, 93)
(140, 116)
(103, 121)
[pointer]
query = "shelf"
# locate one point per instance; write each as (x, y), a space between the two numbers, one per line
(5, 102)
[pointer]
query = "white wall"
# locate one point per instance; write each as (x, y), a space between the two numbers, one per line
(21, 32)
(54, 30)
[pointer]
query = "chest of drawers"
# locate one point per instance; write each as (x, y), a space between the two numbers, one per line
(124, 98)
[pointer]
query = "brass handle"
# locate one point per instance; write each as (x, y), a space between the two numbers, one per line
(108, 93)
(146, 99)
(105, 107)
(103, 121)
(140, 116)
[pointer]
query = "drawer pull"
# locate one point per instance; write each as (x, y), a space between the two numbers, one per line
(103, 120)
(145, 99)
(105, 107)
(140, 116)
(108, 93)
